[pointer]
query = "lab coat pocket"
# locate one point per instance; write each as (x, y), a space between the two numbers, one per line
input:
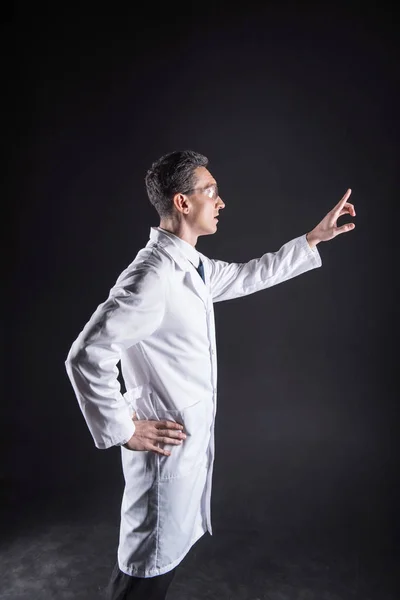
(193, 450)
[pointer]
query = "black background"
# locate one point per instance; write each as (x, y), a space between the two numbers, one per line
(292, 106)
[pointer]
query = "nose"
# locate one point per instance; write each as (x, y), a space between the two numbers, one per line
(221, 203)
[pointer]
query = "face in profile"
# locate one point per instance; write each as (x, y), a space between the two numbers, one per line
(204, 203)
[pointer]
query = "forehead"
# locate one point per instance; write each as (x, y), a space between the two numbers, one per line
(203, 177)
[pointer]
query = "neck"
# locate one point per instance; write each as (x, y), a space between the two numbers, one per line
(180, 229)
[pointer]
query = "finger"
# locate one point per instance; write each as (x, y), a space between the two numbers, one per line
(345, 228)
(172, 434)
(168, 440)
(343, 201)
(158, 450)
(168, 425)
(348, 209)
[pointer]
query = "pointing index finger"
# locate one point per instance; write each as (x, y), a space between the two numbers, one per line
(346, 196)
(342, 202)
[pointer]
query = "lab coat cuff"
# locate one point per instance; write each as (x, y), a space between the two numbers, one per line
(125, 440)
(311, 252)
(105, 442)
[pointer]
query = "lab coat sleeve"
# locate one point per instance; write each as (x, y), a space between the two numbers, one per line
(233, 280)
(133, 310)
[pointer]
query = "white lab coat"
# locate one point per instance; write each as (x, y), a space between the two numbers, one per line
(159, 321)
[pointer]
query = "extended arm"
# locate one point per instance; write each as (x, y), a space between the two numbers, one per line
(233, 280)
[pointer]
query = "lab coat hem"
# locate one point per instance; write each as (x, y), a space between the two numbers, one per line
(154, 571)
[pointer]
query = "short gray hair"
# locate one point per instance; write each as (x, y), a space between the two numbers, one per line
(172, 174)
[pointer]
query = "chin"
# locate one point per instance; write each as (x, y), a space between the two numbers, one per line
(210, 230)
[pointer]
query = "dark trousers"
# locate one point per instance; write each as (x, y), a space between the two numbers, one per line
(127, 587)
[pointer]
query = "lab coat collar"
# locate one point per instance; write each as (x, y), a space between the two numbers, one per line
(185, 256)
(187, 249)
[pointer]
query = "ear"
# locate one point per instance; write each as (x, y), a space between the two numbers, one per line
(181, 203)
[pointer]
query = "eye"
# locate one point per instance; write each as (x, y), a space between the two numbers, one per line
(212, 192)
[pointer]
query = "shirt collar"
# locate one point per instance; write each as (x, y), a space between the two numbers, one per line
(187, 249)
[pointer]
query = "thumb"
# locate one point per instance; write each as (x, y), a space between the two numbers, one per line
(344, 228)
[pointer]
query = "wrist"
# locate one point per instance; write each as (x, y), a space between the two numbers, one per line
(312, 239)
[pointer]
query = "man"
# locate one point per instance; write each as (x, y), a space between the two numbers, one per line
(158, 321)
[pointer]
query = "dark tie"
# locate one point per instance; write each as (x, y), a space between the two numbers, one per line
(200, 270)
